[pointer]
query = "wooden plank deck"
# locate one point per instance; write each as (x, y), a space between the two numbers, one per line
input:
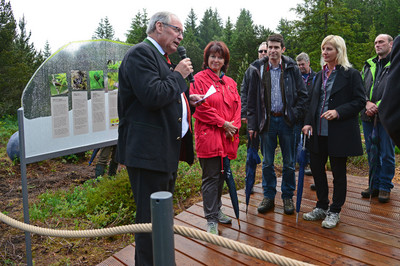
(368, 232)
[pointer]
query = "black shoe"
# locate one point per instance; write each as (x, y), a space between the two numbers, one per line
(266, 205)
(366, 193)
(308, 172)
(312, 187)
(384, 196)
(112, 168)
(288, 207)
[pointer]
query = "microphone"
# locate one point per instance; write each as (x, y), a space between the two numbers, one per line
(182, 54)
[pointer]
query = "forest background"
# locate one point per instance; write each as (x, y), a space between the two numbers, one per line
(357, 21)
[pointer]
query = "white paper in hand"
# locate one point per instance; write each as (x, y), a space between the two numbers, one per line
(210, 92)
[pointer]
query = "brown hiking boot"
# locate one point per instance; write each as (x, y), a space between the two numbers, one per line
(384, 196)
(288, 206)
(366, 193)
(266, 205)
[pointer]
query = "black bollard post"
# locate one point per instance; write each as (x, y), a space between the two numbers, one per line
(162, 228)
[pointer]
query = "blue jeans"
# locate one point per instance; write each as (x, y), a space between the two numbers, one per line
(385, 167)
(278, 129)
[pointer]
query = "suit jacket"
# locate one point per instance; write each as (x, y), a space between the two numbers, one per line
(389, 111)
(347, 98)
(150, 112)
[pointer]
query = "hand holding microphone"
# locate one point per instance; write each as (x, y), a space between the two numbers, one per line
(185, 65)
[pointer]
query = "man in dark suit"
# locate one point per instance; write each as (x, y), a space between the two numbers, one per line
(154, 130)
(389, 111)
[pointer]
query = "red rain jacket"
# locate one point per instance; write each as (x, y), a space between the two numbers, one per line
(224, 105)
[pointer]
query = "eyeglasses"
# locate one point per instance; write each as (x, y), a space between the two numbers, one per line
(262, 51)
(175, 28)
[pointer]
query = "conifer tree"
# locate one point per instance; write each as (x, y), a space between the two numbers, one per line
(191, 42)
(191, 23)
(227, 33)
(18, 59)
(104, 31)
(137, 32)
(210, 27)
(244, 42)
(47, 50)
(321, 18)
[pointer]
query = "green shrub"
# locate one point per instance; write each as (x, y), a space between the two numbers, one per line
(8, 125)
(359, 161)
(238, 167)
(112, 201)
(108, 201)
(61, 203)
(188, 181)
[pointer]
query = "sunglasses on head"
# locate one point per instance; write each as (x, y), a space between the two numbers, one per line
(262, 51)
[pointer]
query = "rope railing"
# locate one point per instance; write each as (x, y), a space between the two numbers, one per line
(147, 228)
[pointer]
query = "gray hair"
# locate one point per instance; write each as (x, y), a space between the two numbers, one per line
(303, 57)
(163, 16)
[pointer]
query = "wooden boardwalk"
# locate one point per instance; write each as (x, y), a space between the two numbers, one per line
(368, 232)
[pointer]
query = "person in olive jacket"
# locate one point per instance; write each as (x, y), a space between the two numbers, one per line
(332, 120)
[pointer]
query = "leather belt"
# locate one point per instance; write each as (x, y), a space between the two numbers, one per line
(278, 114)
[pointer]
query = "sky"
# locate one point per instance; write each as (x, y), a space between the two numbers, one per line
(62, 22)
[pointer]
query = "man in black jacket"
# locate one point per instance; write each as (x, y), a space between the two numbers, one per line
(244, 90)
(154, 128)
(276, 101)
(389, 111)
(375, 74)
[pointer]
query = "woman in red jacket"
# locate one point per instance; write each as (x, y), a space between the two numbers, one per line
(216, 128)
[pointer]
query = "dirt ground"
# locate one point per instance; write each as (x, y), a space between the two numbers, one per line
(53, 175)
(43, 176)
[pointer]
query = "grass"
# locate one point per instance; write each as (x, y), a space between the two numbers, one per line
(8, 126)
(109, 201)
(98, 203)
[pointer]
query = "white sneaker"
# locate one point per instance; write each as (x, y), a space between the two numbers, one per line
(331, 220)
(212, 228)
(223, 218)
(315, 214)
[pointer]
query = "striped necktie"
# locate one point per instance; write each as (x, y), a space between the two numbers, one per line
(166, 57)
